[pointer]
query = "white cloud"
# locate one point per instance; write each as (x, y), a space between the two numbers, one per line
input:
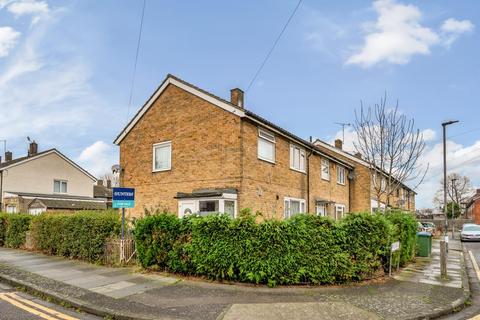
(429, 135)
(397, 35)
(98, 158)
(35, 9)
(8, 40)
(453, 28)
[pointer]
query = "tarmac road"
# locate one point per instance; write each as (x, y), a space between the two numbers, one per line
(15, 305)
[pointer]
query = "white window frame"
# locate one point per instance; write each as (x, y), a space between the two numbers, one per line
(325, 163)
(341, 174)
(318, 210)
(342, 213)
(287, 206)
(161, 145)
(61, 182)
(11, 208)
(268, 137)
(302, 165)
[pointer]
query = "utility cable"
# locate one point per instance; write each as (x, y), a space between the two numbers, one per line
(273, 46)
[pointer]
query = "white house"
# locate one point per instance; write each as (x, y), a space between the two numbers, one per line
(44, 181)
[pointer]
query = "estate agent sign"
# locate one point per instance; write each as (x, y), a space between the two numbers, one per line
(123, 198)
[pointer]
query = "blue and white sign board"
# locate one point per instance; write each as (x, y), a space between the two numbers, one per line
(123, 198)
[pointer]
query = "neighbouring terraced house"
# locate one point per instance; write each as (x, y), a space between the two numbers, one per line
(45, 181)
(189, 151)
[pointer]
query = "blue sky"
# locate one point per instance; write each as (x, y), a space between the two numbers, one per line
(66, 68)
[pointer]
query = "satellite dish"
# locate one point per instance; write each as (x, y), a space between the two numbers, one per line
(116, 168)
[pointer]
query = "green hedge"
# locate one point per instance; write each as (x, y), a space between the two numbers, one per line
(13, 229)
(80, 235)
(3, 228)
(405, 230)
(303, 249)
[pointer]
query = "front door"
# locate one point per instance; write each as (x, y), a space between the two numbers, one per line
(186, 208)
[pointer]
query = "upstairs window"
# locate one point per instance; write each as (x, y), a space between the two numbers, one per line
(59, 186)
(297, 158)
(266, 146)
(340, 175)
(325, 169)
(162, 156)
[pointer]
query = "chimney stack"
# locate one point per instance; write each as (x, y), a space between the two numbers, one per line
(236, 97)
(33, 148)
(100, 182)
(8, 156)
(358, 155)
(338, 144)
(109, 184)
(478, 191)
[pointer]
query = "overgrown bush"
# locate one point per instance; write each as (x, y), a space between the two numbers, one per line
(80, 235)
(15, 226)
(3, 228)
(405, 230)
(303, 249)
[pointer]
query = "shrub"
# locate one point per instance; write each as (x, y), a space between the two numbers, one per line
(17, 225)
(368, 239)
(79, 235)
(3, 228)
(405, 230)
(303, 249)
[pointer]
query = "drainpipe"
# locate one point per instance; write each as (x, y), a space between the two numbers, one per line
(308, 177)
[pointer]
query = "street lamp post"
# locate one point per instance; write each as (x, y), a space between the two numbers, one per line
(443, 243)
(444, 126)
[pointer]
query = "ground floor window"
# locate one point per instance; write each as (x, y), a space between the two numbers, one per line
(205, 207)
(11, 209)
(293, 207)
(339, 211)
(36, 211)
(321, 209)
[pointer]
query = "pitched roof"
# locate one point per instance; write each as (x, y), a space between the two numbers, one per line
(18, 161)
(224, 104)
(68, 204)
(351, 157)
(101, 192)
(52, 196)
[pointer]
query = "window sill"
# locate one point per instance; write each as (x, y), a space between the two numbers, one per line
(161, 170)
(266, 160)
(342, 184)
(325, 179)
(304, 172)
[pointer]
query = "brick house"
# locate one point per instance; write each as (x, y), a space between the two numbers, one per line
(363, 197)
(472, 208)
(187, 150)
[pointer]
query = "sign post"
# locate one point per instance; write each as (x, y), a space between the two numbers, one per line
(394, 247)
(123, 198)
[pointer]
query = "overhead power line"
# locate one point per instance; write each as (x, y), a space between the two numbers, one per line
(274, 45)
(132, 85)
(465, 132)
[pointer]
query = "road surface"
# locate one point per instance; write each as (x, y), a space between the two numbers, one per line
(15, 305)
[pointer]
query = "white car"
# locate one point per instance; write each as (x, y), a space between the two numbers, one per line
(470, 232)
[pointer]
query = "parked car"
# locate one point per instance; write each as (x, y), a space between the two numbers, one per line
(430, 227)
(470, 232)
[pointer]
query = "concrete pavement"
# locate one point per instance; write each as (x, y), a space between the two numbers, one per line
(124, 294)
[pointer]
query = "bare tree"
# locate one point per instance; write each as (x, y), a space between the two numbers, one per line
(389, 142)
(114, 178)
(459, 189)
